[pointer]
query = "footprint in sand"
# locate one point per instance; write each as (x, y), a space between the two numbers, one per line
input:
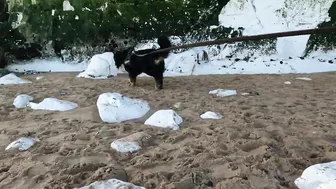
(254, 147)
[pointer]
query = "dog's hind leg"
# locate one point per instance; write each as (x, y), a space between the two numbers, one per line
(158, 82)
(132, 80)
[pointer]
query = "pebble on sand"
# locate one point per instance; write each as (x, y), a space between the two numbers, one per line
(39, 77)
(131, 143)
(304, 78)
(211, 115)
(223, 92)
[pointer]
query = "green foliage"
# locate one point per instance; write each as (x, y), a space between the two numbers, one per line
(98, 20)
(324, 42)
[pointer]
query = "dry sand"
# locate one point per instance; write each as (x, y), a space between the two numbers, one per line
(263, 141)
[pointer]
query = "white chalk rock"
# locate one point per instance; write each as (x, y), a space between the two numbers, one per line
(177, 105)
(165, 119)
(67, 6)
(12, 79)
(39, 77)
(304, 78)
(21, 144)
(130, 143)
(287, 82)
(318, 176)
(115, 108)
(101, 66)
(53, 104)
(223, 92)
(22, 101)
(125, 146)
(211, 115)
(111, 184)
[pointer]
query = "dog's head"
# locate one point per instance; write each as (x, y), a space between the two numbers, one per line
(121, 56)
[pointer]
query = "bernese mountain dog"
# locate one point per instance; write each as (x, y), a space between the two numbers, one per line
(137, 62)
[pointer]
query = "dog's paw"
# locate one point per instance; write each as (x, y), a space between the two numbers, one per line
(131, 83)
(158, 87)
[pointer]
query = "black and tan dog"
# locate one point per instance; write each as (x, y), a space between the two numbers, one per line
(137, 62)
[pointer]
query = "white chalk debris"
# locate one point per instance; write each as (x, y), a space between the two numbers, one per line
(131, 143)
(18, 22)
(67, 6)
(53, 104)
(125, 146)
(21, 144)
(211, 115)
(22, 101)
(287, 82)
(12, 79)
(101, 66)
(165, 119)
(223, 92)
(86, 9)
(39, 77)
(304, 78)
(115, 108)
(318, 176)
(177, 105)
(111, 184)
(245, 94)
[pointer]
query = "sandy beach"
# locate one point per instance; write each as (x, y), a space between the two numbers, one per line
(262, 141)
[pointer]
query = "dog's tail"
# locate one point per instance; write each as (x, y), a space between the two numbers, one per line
(164, 42)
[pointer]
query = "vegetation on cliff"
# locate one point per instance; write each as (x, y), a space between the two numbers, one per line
(43, 28)
(38, 28)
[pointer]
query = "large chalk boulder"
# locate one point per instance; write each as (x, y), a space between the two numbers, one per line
(12, 79)
(318, 176)
(116, 108)
(101, 66)
(22, 101)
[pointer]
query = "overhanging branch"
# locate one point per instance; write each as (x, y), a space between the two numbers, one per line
(247, 38)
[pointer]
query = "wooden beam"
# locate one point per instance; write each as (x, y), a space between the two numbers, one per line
(252, 37)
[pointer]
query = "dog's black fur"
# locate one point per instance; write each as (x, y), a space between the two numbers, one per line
(136, 62)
